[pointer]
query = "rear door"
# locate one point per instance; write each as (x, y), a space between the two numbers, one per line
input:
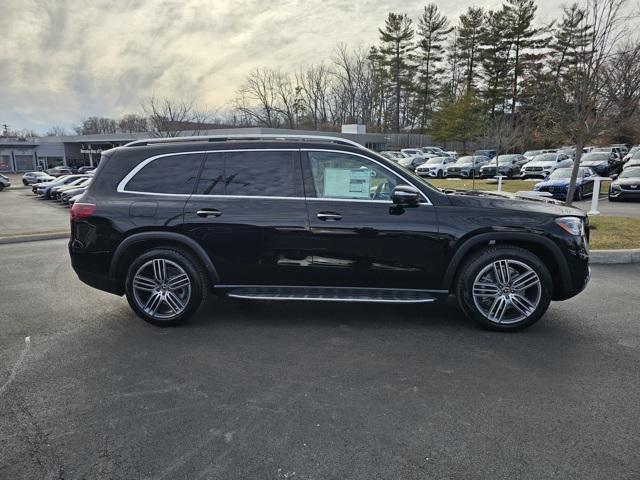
(248, 213)
(359, 238)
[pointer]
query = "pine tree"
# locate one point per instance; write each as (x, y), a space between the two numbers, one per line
(432, 32)
(469, 38)
(525, 38)
(495, 60)
(397, 47)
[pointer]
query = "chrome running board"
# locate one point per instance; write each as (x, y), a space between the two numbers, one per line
(327, 294)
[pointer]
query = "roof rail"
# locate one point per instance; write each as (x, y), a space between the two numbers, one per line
(245, 137)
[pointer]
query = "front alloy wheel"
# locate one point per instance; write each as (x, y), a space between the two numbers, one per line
(504, 288)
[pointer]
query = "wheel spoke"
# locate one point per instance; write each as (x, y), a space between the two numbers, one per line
(499, 306)
(522, 304)
(502, 272)
(178, 281)
(174, 302)
(144, 283)
(154, 301)
(160, 269)
(484, 289)
(525, 280)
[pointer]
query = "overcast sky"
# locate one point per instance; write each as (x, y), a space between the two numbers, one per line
(64, 60)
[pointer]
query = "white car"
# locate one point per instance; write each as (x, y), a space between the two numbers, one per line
(30, 178)
(631, 153)
(542, 165)
(433, 151)
(531, 154)
(634, 162)
(435, 167)
(4, 182)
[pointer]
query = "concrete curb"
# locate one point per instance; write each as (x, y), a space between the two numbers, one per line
(34, 237)
(609, 257)
(597, 257)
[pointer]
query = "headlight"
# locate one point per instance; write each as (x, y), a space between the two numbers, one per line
(615, 187)
(571, 225)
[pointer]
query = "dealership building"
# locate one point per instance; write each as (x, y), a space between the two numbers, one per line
(22, 155)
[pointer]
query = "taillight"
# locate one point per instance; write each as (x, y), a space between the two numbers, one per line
(80, 211)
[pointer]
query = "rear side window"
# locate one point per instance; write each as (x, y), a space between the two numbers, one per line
(175, 174)
(254, 173)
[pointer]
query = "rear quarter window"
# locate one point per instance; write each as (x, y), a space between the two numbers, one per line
(173, 174)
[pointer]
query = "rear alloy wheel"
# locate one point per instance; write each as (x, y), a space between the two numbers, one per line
(165, 286)
(504, 288)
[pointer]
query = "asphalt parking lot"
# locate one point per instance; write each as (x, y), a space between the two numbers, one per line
(311, 391)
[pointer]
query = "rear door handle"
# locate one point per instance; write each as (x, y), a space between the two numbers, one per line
(208, 212)
(329, 216)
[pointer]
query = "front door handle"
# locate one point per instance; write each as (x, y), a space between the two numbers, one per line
(329, 216)
(208, 212)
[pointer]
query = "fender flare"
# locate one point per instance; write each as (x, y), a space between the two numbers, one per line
(484, 238)
(170, 236)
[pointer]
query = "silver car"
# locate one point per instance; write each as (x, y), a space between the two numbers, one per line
(30, 178)
(467, 167)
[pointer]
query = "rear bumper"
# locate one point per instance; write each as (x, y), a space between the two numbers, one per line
(80, 263)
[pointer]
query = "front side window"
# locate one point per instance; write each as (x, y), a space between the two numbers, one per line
(251, 173)
(345, 176)
(174, 174)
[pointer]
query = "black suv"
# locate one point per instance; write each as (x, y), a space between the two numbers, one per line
(167, 221)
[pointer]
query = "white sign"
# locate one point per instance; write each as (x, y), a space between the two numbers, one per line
(347, 183)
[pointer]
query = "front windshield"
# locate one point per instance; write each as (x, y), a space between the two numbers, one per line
(435, 160)
(595, 157)
(506, 158)
(464, 160)
(546, 157)
(563, 173)
(531, 153)
(630, 173)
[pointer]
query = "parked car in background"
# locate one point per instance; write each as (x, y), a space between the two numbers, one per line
(433, 151)
(59, 171)
(630, 154)
(452, 153)
(616, 152)
(557, 184)
(66, 195)
(602, 162)
(74, 199)
(44, 189)
(634, 162)
(414, 158)
(542, 165)
(626, 186)
(435, 167)
(508, 166)
(531, 154)
(86, 169)
(485, 153)
(394, 155)
(30, 178)
(467, 167)
(4, 182)
(55, 192)
(159, 226)
(622, 147)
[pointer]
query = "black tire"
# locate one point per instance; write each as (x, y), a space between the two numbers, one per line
(25, 183)
(579, 195)
(484, 258)
(612, 199)
(439, 175)
(198, 279)
(1, 187)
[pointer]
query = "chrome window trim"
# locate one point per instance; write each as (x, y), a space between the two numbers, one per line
(121, 188)
(427, 201)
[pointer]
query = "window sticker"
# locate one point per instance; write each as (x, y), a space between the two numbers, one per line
(347, 183)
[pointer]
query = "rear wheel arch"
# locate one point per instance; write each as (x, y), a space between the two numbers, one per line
(138, 243)
(542, 247)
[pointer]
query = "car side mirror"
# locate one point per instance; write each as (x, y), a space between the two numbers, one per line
(613, 176)
(405, 196)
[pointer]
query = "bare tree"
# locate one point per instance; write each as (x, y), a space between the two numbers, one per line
(257, 98)
(56, 131)
(578, 105)
(132, 123)
(167, 117)
(314, 85)
(505, 134)
(622, 83)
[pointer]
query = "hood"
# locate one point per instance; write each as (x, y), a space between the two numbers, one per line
(560, 182)
(592, 163)
(627, 181)
(508, 201)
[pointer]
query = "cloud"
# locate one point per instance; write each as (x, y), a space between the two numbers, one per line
(63, 60)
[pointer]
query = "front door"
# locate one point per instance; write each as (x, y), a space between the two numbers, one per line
(248, 212)
(359, 237)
